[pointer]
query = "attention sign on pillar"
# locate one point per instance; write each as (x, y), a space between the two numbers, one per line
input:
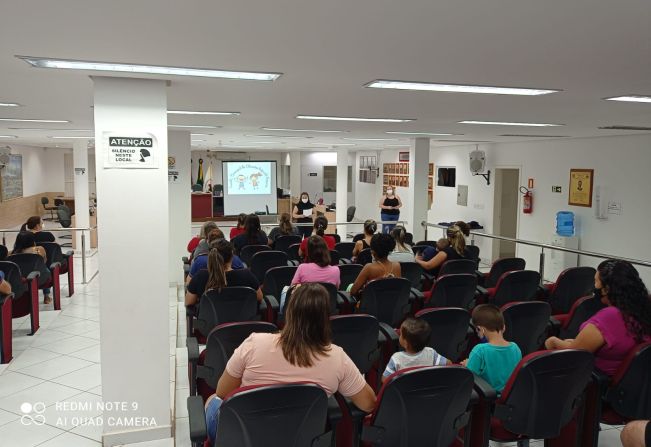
(125, 151)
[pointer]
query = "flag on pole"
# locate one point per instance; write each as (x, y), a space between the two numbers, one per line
(209, 177)
(200, 173)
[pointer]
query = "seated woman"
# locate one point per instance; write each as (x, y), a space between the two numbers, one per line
(35, 225)
(252, 235)
(402, 252)
(212, 232)
(239, 228)
(301, 352)
(200, 262)
(381, 267)
(220, 274)
(284, 228)
(5, 287)
(456, 250)
(26, 243)
(370, 227)
(203, 234)
(626, 321)
(320, 225)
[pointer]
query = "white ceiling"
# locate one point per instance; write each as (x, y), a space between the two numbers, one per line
(328, 50)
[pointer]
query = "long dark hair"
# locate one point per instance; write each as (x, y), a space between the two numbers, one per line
(306, 334)
(252, 228)
(320, 225)
(24, 239)
(220, 254)
(626, 291)
(285, 224)
(317, 251)
(241, 218)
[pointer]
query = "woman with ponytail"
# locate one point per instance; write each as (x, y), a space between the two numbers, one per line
(284, 228)
(320, 225)
(370, 227)
(403, 251)
(456, 250)
(220, 274)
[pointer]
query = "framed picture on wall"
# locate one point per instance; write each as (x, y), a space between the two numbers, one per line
(403, 157)
(581, 181)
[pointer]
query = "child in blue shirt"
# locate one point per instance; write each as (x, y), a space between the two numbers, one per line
(495, 360)
(414, 336)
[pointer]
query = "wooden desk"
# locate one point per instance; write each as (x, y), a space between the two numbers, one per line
(330, 215)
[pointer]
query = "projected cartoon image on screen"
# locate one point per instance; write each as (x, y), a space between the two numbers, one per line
(249, 178)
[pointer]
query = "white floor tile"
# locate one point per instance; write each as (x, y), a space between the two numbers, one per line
(19, 435)
(65, 320)
(70, 440)
(70, 345)
(31, 357)
(81, 312)
(55, 368)
(77, 410)
(80, 327)
(48, 336)
(182, 380)
(13, 382)
(94, 334)
(91, 354)
(6, 417)
(182, 433)
(82, 379)
(181, 400)
(609, 438)
(46, 392)
(93, 432)
(181, 356)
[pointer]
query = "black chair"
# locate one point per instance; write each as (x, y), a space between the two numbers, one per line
(32, 262)
(413, 272)
(266, 415)
(348, 273)
(6, 343)
(421, 407)
(337, 298)
(418, 249)
(364, 257)
(456, 266)
(498, 268)
(450, 330)
(345, 250)
(292, 254)
(282, 243)
(568, 325)
(358, 237)
(66, 260)
(387, 299)
(350, 213)
(264, 260)
(335, 236)
(65, 219)
(25, 291)
(409, 239)
(527, 324)
(427, 243)
(275, 279)
(334, 257)
(197, 187)
(572, 284)
(3, 252)
(206, 368)
(50, 209)
(458, 290)
(248, 251)
(473, 253)
(231, 304)
(518, 285)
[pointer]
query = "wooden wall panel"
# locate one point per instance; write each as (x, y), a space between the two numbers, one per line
(16, 211)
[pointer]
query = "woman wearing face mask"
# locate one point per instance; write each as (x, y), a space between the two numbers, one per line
(303, 212)
(390, 205)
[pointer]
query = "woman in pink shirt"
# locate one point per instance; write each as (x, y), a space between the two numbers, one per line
(301, 352)
(317, 268)
(612, 332)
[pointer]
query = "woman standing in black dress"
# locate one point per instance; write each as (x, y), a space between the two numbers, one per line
(303, 212)
(390, 204)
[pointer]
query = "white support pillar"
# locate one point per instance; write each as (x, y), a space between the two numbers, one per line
(342, 190)
(80, 164)
(418, 177)
(133, 253)
(295, 173)
(180, 219)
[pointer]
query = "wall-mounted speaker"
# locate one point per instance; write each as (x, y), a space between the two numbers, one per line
(477, 161)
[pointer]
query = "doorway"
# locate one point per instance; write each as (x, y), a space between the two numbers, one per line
(505, 211)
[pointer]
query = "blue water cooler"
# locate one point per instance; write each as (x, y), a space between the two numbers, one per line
(557, 261)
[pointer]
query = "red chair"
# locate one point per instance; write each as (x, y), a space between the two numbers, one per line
(519, 285)
(25, 290)
(500, 267)
(572, 284)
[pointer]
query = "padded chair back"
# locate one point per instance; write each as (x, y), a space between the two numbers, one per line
(520, 285)
(274, 415)
(358, 237)
(292, 253)
(526, 324)
(197, 187)
(409, 239)
(572, 284)
(247, 252)
(412, 272)
(283, 243)
(500, 267)
(32, 262)
(630, 392)
(64, 216)
(220, 345)
(473, 252)
(582, 310)
(335, 236)
(350, 213)
(276, 278)
(3, 252)
(44, 201)
(543, 392)
(264, 260)
(357, 335)
(345, 249)
(14, 276)
(428, 243)
(419, 248)
(387, 299)
(453, 291)
(456, 266)
(365, 257)
(53, 252)
(334, 257)
(332, 292)
(231, 304)
(449, 330)
(348, 273)
(421, 407)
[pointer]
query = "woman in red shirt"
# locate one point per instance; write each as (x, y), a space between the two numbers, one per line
(239, 229)
(320, 225)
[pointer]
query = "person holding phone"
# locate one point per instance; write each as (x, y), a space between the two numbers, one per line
(303, 212)
(390, 205)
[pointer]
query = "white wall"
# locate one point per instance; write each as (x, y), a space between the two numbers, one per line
(42, 169)
(313, 162)
(69, 173)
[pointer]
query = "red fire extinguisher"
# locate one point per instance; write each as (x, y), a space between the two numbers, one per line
(527, 200)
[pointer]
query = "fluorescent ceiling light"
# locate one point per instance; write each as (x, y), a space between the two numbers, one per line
(301, 130)
(499, 123)
(334, 144)
(454, 88)
(278, 136)
(396, 145)
(190, 112)
(8, 136)
(194, 141)
(42, 62)
(630, 98)
(201, 134)
(39, 129)
(9, 104)
(342, 118)
(193, 127)
(371, 139)
(24, 120)
(73, 137)
(424, 133)
(264, 142)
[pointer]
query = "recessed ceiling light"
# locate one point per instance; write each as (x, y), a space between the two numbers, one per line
(455, 88)
(25, 120)
(301, 130)
(630, 98)
(39, 129)
(424, 133)
(42, 62)
(197, 140)
(192, 126)
(500, 123)
(73, 137)
(343, 118)
(278, 136)
(371, 139)
(8, 136)
(190, 112)
(334, 144)
(9, 104)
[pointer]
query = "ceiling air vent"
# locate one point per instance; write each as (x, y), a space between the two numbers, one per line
(625, 128)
